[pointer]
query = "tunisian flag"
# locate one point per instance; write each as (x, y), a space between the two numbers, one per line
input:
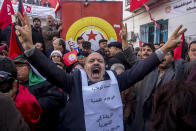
(134, 4)
(70, 58)
(6, 14)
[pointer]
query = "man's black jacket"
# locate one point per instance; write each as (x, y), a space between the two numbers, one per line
(71, 84)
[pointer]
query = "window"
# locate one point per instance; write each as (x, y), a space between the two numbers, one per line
(150, 34)
(127, 3)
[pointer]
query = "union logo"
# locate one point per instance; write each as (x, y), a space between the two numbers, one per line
(92, 29)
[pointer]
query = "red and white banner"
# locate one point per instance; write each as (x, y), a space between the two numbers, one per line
(134, 4)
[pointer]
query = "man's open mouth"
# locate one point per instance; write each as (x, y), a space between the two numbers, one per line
(96, 72)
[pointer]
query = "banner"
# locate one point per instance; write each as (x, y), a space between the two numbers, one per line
(179, 8)
(93, 21)
(33, 10)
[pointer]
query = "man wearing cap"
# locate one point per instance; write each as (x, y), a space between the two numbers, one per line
(10, 117)
(37, 31)
(48, 96)
(117, 55)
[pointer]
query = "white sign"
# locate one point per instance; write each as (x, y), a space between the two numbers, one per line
(180, 8)
(36, 11)
(102, 104)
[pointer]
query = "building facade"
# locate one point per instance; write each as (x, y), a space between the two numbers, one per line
(169, 14)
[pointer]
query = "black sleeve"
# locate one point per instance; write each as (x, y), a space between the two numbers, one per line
(130, 56)
(138, 72)
(49, 70)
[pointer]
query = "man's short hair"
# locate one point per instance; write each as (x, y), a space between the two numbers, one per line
(34, 19)
(193, 42)
(151, 46)
(86, 45)
(174, 104)
(116, 66)
(8, 74)
(115, 44)
(102, 40)
(79, 38)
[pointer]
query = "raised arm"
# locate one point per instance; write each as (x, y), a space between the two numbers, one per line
(140, 70)
(46, 67)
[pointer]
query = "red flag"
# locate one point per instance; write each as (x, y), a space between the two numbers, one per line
(134, 4)
(57, 6)
(154, 21)
(14, 50)
(70, 58)
(141, 43)
(178, 50)
(28, 9)
(6, 14)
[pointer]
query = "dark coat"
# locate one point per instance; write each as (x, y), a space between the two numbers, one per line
(178, 71)
(48, 33)
(10, 117)
(71, 84)
(118, 58)
(51, 99)
(37, 35)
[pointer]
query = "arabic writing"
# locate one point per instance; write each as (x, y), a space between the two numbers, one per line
(105, 99)
(183, 4)
(100, 87)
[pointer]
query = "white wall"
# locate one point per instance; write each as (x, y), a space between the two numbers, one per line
(188, 20)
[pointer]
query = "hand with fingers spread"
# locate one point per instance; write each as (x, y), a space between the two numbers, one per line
(173, 40)
(123, 35)
(24, 32)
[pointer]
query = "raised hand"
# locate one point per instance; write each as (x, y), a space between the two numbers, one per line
(24, 32)
(173, 40)
(123, 35)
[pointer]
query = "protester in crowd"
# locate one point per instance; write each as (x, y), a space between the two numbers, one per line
(102, 46)
(10, 117)
(146, 50)
(37, 31)
(192, 51)
(78, 66)
(49, 31)
(56, 56)
(167, 70)
(58, 44)
(86, 47)
(48, 96)
(156, 46)
(79, 42)
(126, 94)
(117, 56)
(82, 57)
(161, 43)
(174, 107)
(78, 115)
(139, 55)
(40, 46)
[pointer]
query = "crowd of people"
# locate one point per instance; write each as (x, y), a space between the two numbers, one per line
(116, 88)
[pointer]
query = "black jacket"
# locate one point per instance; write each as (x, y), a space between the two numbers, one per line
(118, 58)
(71, 84)
(37, 35)
(179, 70)
(51, 99)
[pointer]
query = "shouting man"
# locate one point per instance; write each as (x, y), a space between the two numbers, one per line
(95, 102)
